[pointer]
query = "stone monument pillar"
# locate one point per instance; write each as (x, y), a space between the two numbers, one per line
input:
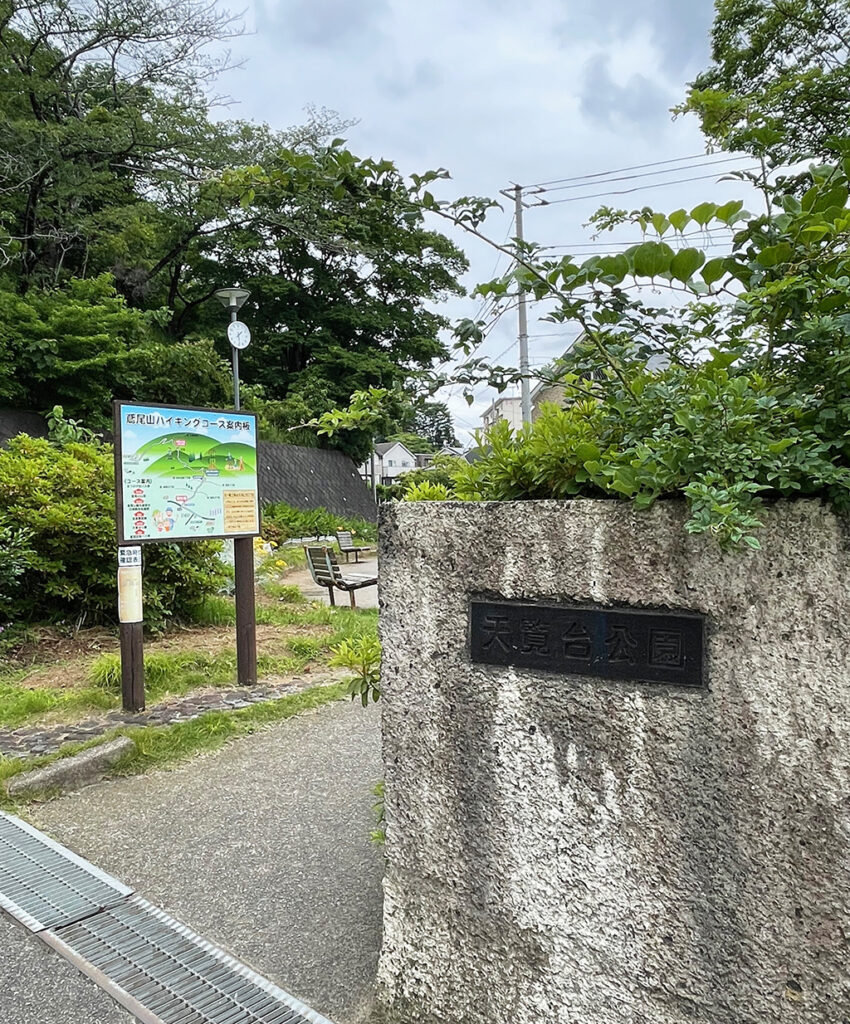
(596, 816)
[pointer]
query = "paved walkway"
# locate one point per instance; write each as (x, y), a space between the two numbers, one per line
(262, 847)
(31, 741)
(38, 987)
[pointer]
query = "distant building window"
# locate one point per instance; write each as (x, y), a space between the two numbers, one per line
(405, 463)
(389, 462)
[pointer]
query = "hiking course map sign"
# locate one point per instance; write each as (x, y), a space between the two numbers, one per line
(184, 474)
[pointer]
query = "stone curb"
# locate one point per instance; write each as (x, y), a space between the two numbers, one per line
(30, 741)
(71, 772)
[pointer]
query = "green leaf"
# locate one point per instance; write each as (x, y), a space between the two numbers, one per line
(614, 268)
(660, 222)
(771, 255)
(686, 263)
(713, 271)
(680, 219)
(587, 452)
(728, 212)
(722, 359)
(651, 259)
(703, 213)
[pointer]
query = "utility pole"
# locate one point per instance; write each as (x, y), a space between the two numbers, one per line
(525, 383)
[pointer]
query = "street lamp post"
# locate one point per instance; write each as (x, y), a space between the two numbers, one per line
(239, 337)
(237, 333)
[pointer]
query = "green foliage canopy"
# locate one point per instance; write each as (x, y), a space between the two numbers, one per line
(779, 82)
(751, 402)
(113, 172)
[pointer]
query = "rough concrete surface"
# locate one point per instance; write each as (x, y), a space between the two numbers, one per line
(571, 850)
(71, 772)
(38, 987)
(262, 847)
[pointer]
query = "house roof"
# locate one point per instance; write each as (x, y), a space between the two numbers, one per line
(385, 446)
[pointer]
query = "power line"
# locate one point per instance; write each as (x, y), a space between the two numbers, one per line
(618, 170)
(636, 188)
(701, 233)
(577, 249)
(647, 174)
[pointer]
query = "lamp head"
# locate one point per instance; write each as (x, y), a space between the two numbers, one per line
(232, 298)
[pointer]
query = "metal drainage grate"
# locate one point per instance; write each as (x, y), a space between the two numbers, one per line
(163, 972)
(155, 966)
(44, 885)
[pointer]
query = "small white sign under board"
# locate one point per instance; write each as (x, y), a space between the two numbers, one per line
(129, 556)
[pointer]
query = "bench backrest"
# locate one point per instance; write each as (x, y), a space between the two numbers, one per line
(323, 565)
(344, 539)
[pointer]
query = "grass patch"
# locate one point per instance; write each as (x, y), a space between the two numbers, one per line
(213, 611)
(18, 704)
(289, 593)
(158, 746)
(179, 672)
(176, 673)
(164, 745)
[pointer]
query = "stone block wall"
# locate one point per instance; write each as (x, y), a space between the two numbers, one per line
(567, 850)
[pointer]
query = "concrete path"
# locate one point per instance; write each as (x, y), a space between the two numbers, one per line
(38, 987)
(365, 598)
(262, 847)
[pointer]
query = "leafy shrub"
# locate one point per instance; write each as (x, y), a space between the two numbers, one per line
(361, 654)
(728, 404)
(57, 523)
(438, 473)
(426, 491)
(282, 522)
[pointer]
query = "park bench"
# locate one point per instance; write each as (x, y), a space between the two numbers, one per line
(347, 546)
(325, 570)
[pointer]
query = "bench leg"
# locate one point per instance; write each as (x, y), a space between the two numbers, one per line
(351, 596)
(331, 595)
(356, 557)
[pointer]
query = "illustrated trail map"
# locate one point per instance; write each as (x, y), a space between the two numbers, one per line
(185, 473)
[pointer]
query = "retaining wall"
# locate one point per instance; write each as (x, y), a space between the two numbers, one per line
(584, 851)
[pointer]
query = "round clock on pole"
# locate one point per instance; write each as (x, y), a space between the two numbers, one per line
(238, 334)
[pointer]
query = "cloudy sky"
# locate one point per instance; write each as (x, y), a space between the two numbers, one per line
(498, 93)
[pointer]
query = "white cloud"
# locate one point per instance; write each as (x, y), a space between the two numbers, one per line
(495, 93)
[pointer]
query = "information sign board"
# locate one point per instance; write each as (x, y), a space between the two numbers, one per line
(184, 474)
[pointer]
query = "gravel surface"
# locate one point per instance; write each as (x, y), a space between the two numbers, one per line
(38, 987)
(262, 847)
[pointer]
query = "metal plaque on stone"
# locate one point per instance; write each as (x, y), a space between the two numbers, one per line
(608, 643)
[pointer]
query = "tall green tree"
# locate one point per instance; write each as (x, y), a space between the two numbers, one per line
(433, 421)
(111, 165)
(100, 100)
(779, 82)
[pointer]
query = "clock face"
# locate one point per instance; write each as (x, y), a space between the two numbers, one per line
(238, 334)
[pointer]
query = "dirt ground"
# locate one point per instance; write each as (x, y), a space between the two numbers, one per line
(62, 659)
